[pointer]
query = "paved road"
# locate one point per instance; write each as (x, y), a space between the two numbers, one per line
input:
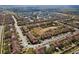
(1, 38)
(75, 50)
(67, 25)
(24, 41)
(1, 27)
(59, 37)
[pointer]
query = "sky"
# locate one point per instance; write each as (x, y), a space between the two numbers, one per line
(42, 6)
